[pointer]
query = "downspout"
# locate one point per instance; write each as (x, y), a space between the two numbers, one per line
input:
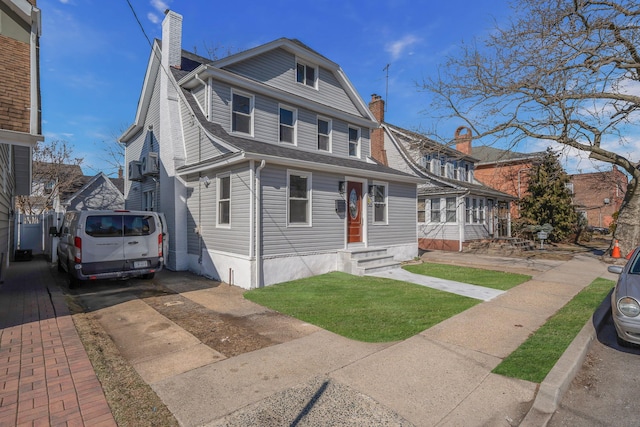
(463, 222)
(258, 239)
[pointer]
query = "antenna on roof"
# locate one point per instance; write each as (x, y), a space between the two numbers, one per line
(386, 95)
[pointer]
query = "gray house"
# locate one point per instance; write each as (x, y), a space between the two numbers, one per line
(454, 208)
(261, 163)
(96, 193)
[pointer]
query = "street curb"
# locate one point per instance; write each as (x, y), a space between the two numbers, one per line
(556, 383)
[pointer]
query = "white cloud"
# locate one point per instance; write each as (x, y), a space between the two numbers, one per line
(159, 5)
(153, 17)
(64, 1)
(398, 47)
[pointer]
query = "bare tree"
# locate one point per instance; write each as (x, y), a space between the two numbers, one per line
(56, 173)
(566, 71)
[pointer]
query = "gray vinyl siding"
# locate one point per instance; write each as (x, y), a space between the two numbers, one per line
(193, 238)
(22, 170)
(201, 96)
(277, 68)
(327, 230)
(401, 217)
(138, 148)
(6, 189)
(198, 146)
(100, 195)
(202, 211)
(440, 231)
(267, 124)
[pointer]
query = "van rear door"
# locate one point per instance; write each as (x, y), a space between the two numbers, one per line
(141, 233)
(102, 243)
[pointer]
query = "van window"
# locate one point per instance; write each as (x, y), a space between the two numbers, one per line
(139, 225)
(119, 225)
(104, 226)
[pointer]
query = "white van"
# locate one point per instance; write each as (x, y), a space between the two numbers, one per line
(111, 244)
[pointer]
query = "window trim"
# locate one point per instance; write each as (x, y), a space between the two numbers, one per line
(358, 142)
(309, 198)
(329, 135)
(294, 127)
(424, 209)
(219, 180)
(250, 115)
(316, 73)
(384, 185)
(447, 211)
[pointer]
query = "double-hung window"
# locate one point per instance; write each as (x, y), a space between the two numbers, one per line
(422, 206)
(306, 74)
(324, 134)
(224, 200)
(450, 209)
(299, 198)
(435, 210)
(242, 113)
(380, 203)
(354, 142)
(288, 118)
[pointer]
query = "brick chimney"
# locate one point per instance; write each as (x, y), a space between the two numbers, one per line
(463, 140)
(377, 135)
(172, 38)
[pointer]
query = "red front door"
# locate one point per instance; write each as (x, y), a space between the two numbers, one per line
(354, 212)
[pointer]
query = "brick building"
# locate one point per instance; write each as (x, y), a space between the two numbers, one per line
(599, 195)
(20, 119)
(505, 170)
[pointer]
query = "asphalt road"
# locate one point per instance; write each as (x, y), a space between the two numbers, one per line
(605, 391)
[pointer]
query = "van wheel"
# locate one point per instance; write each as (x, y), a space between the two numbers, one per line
(74, 283)
(60, 269)
(148, 276)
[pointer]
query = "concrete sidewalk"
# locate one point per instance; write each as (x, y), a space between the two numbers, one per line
(439, 377)
(45, 375)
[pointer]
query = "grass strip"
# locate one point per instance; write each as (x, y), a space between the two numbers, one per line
(533, 360)
(474, 276)
(362, 308)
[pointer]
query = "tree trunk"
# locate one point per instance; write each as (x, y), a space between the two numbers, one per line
(628, 224)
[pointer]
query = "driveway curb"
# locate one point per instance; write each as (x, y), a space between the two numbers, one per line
(556, 383)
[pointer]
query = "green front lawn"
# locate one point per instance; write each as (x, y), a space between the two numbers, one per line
(533, 360)
(474, 276)
(363, 308)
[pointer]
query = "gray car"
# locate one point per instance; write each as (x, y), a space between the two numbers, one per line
(625, 300)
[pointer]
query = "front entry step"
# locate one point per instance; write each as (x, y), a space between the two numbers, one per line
(364, 261)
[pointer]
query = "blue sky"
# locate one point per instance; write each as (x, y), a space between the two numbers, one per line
(94, 54)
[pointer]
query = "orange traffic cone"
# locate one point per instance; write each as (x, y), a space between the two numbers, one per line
(615, 252)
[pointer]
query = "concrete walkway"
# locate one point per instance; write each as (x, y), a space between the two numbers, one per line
(464, 289)
(45, 375)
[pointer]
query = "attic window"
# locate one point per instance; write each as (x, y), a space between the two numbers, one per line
(306, 74)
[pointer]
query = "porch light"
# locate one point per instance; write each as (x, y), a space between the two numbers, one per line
(341, 187)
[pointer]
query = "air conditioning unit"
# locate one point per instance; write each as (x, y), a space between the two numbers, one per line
(150, 164)
(134, 171)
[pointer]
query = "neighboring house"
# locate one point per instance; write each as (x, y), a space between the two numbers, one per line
(97, 193)
(20, 118)
(505, 170)
(597, 196)
(260, 162)
(453, 207)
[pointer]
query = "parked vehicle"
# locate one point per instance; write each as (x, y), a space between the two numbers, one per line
(111, 244)
(625, 305)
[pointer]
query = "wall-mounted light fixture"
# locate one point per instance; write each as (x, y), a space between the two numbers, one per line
(607, 201)
(342, 187)
(372, 190)
(205, 180)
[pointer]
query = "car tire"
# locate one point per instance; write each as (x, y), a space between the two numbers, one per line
(621, 342)
(148, 276)
(60, 269)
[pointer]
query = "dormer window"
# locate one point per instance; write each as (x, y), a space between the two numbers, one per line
(306, 74)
